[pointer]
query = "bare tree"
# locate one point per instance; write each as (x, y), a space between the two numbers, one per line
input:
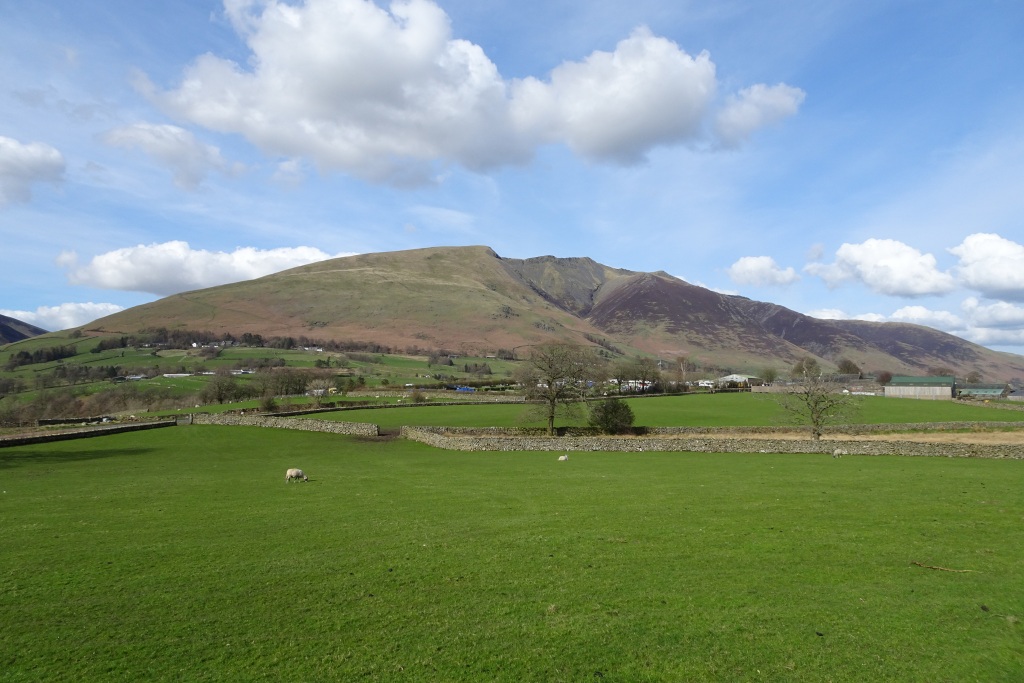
(557, 376)
(816, 399)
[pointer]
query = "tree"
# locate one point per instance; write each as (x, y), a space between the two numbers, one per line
(848, 367)
(769, 375)
(556, 377)
(883, 377)
(805, 366)
(613, 416)
(222, 389)
(816, 399)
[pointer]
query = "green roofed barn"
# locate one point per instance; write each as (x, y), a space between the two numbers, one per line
(932, 388)
(983, 391)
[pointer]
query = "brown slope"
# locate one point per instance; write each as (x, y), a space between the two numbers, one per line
(570, 283)
(469, 298)
(663, 314)
(923, 347)
(12, 330)
(458, 298)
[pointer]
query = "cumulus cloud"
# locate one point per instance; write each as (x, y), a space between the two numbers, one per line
(64, 316)
(616, 106)
(23, 165)
(1000, 314)
(991, 265)
(885, 266)
(387, 94)
(919, 315)
(761, 271)
(175, 148)
(756, 107)
(171, 267)
(828, 314)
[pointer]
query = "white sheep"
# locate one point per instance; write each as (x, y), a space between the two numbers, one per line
(295, 474)
(562, 458)
(839, 452)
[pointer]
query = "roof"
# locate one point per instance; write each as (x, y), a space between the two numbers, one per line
(995, 390)
(906, 381)
(738, 378)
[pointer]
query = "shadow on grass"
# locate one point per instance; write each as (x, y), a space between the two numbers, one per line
(13, 457)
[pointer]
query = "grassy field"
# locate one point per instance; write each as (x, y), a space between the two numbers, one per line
(181, 555)
(710, 410)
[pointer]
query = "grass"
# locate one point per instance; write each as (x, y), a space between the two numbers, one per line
(711, 410)
(181, 554)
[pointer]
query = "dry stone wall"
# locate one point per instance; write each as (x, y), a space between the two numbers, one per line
(488, 440)
(309, 425)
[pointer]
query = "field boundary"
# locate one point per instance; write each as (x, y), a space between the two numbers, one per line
(331, 426)
(84, 433)
(703, 442)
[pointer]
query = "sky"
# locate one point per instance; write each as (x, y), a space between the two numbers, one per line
(858, 159)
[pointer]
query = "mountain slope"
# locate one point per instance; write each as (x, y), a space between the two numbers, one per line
(12, 330)
(470, 299)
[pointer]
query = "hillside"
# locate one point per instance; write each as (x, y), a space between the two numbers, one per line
(471, 300)
(12, 330)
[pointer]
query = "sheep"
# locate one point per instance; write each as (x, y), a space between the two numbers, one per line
(562, 458)
(839, 452)
(295, 474)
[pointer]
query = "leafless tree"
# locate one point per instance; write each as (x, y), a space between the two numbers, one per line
(815, 398)
(557, 376)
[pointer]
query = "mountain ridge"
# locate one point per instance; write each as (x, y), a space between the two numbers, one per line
(472, 300)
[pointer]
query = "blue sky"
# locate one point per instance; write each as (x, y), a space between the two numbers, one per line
(845, 159)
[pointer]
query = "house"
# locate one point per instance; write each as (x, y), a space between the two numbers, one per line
(938, 388)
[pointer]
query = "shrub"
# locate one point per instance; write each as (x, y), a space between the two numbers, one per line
(612, 416)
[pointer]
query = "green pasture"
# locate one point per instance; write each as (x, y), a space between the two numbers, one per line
(691, 410)
(181, 555)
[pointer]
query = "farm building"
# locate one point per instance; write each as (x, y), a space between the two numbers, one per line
(739, 380)
(933, 388)
(983, 391)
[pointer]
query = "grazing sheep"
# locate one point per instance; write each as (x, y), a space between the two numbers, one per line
(839, 452)
(295, 474)
(563, 457)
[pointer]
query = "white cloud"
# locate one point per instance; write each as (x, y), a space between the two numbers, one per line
(172, 267)
(756, 107)
(839, 314)
(761, 271)
(23, 165)
(919, 315)
(887, 267)
(991, 265)
(828, 314)
(173, 147)
(1000, 314)
(387, 94)
(616, 106)
(448, 220)
(64, 316)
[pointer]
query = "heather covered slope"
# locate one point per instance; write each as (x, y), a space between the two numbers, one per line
(12, 330)
(469, 299)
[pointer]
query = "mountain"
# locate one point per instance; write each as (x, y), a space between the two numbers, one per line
(12, 330)
(471, 300)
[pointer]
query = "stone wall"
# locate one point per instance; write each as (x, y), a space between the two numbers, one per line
(84, 433)
(351, 428)
(464, 440)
